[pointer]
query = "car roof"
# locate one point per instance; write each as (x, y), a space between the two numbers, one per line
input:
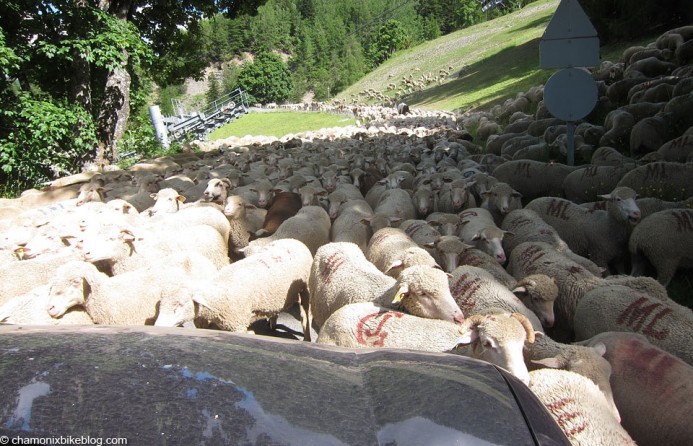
(155, 385)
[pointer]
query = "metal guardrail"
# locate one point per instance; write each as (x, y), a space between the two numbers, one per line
(214, 115)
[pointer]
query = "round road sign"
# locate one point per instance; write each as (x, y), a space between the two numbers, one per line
(570, 94)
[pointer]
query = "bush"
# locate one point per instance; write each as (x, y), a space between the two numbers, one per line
(43, 139)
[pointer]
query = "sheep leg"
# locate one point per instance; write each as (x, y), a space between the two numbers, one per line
(305, 312)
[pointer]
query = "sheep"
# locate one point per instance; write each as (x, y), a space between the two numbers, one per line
(367, 325)
(456, 196)
(498, 338)
(480, 231)
(121, 299)
(119, 249)
(341, 275)
(527, 226)
(167, 201)
(423, 200)
(20, 277)
(620, 308)
(501, 199)
(579, 408)
(477, 291)
(352, 224)
(589, 182)
(30, 308)
(479, 258)
(665, 180)
(142, 199)
(651, 389)
(533, 179)
(311, 225)
(395, 203)
(573, 280)
(233, 298)
(664, 239)
(602, 236)
(240, 227)
(391, 250)
(342, 195)
(447, 250)
(91, 192)
(284, 206)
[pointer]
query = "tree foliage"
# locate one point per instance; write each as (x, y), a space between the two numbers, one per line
(267, 79)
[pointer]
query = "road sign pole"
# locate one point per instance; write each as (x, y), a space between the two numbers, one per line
(570, 141)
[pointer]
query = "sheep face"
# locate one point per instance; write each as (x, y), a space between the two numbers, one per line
(65, 293)
(490, 241)
(176, 308)
(424, 292)
(235, 207)
(217, 190)
(622, 202)
(167, 201)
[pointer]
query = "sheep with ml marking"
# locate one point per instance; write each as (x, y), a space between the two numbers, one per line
(391, 250)
(664, 239)
(341, 275)
(233, 298)
(476, 291)
(533, 179)
(589, 182)
(645, 380)
(579, 408)
(668, 181)
(602, 236)
(311, 225)
(527, 226)
(619, 308)
(480, 231)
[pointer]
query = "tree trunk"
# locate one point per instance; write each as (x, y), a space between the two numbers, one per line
(80, 89)
(115, 107)
(113, 114)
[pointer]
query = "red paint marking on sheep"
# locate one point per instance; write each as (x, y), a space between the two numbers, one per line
(684, 221)
(413, 229)
(557, 208)
(367, 336)
(680, 142)
(463, 291)
(655, 171)
(589, 172)
(330, 266)
(522, 170)
(638, 312)
(529, 257)
(466, 214)
(655, 364)
(518, 223)
(566, 419)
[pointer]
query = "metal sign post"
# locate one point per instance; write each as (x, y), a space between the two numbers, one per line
(570, 41)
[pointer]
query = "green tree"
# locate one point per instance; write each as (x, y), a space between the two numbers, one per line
(391, 36)
(214, 89)
(267, 79)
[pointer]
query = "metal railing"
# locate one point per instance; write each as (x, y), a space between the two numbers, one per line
(214, 115)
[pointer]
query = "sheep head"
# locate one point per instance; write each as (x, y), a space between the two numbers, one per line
(424, 291)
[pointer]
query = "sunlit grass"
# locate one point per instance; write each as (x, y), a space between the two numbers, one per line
(280, 124)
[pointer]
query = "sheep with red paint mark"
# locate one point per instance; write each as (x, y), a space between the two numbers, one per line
(664, 239)
(651, 388)
(341, 275)
(479, 230)
(391, 250)
(665, 323)
(579, 408)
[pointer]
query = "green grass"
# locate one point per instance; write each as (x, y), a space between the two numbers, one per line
(280, 123)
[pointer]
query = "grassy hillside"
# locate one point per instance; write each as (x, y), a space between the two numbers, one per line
(279, 124)
(490, 62)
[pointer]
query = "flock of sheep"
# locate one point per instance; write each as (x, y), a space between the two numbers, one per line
(408, 234)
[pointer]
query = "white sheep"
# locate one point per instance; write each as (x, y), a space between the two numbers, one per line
(456, 196)
(352, 223)
(30, 308)
(311, 225)
(342, 275)
(664, 239)
(444, 223)
(651, 389)
(479, 230)
(477, 291)
(391, 250)
(602, 236)
(254, 288)
(240, 225)
(479, 258)
(500, 199)
(620, 308)
(367, 325)
(579, 408)
(395, 203)
(126, 299)
(527, 226)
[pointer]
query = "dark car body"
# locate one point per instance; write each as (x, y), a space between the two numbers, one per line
(160, 386)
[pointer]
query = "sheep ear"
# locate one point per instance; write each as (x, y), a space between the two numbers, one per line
(553, 363)
(600, 348)
(153, 196)
(520, 290)
(400, 294)
(366, 221)
(605, 196)
(508, 233)
(394, 219)
(127, 235)
(471, 335)
(180, 198)
(395, 265)
(477, 236)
